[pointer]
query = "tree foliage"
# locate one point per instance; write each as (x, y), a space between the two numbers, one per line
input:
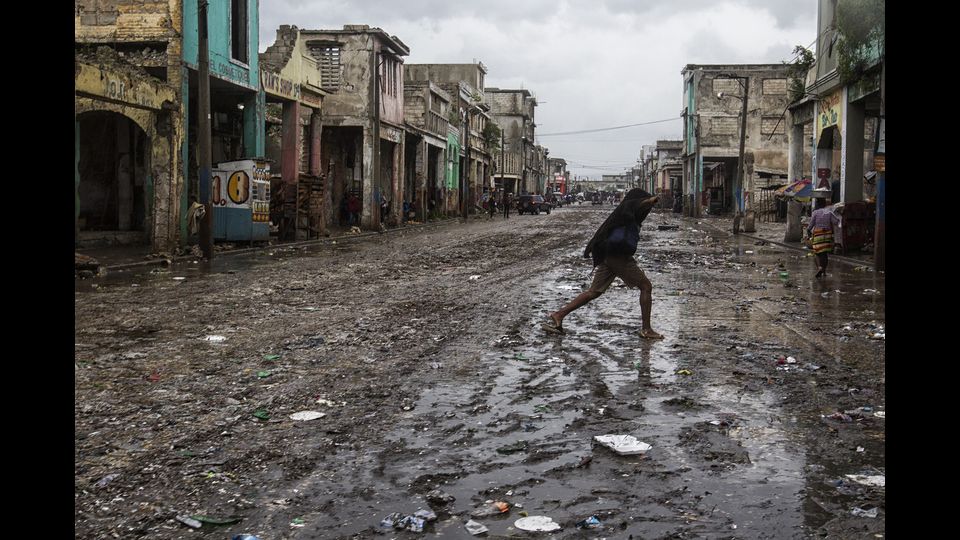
(491, 136)
(861, 28)
(798, 72)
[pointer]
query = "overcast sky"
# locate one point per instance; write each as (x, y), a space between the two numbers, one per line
(591, 63)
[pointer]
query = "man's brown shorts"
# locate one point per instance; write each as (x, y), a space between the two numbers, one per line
(614, 267)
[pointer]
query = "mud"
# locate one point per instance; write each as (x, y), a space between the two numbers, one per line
(431, 380)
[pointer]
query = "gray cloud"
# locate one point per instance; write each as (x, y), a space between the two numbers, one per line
(591, 63)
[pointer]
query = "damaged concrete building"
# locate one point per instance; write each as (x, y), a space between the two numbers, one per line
(712, 99)
(426, 109)
(292, 80)
(513, 111)
(363, 142)
(558, 176)
(128, 128)
(464, 83)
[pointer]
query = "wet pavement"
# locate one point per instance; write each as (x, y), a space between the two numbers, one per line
(425, 352)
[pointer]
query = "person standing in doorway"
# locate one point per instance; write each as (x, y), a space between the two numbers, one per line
(823, 223)
(612, 248)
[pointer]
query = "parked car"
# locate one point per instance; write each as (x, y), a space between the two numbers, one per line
(533, 204)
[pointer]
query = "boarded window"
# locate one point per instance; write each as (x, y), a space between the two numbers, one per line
(724, 125)
(727, 86)
(239, 30)
(769, 123)
(774, 87)
(328, 61)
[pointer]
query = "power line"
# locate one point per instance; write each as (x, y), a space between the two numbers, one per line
(606, 128)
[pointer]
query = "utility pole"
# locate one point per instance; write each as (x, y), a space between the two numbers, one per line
(464, 171)
(738, 190)
(376, 142)
(206, 160)
(503, 186)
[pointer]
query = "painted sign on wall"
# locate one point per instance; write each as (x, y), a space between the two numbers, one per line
(830, 111)
(274, 84)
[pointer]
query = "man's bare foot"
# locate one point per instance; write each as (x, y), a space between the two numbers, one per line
(648, 333)
(553, 325)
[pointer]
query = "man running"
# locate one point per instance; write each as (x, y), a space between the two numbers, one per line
(612, 248)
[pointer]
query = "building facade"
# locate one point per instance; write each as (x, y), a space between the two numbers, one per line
(712, 105)
(513, 111)
(128, 128)
(427, 109)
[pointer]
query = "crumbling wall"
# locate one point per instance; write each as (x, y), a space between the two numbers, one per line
(102, 21)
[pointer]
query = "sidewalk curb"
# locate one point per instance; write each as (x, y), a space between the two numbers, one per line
(301, 243)
(841, 258)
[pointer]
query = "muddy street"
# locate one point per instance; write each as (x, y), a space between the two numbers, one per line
(422, 350)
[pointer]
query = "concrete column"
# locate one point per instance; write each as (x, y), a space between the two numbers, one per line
(396, 187)
(290, 164)
(851, 161)
(124, 176)
(316, 129)
(369, 217)
(254, 128)
(795, 156)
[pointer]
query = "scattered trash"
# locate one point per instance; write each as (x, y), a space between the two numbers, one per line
(861, 449)
(263, 374)
(106, 480)
(840, 417)
(215, 339)
(519, 446)
(541, 408)
(474, 277)
(748, 252)
(427, 515)
(492, 509)
(179, 278)
(297, 522)
(860, 512)
(591, 522)
(399, 521)
(475, 528)
(668, 227)
(519, 356)
(245, 537)
(189, 522)
(271, 357)
(879, 335)
(327, 402)
(262, 414)
(684, 372)
(439, 497)
(217, 521)
(880, 414)
(871, 291)
(307, 415)
(875, 480)
(536, 523)
(625, 445)
(436, 365)
(715, 422)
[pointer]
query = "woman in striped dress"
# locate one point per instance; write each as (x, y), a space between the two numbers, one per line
(823, 224)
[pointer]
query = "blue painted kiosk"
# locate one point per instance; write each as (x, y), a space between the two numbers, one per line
(241, 200)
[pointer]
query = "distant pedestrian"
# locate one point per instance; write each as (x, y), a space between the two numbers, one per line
(823, 223)
(506, 205)
(612, 248)
(492, 204)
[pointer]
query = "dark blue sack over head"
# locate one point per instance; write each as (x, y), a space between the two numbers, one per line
(623, 240)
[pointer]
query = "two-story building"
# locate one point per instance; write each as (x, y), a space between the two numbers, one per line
(426, 111)
(292, 82)
(712, 103)
(464, 83)
(127, 126)
(362, 68)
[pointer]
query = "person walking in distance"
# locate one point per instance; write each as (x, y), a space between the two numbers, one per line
(823, 224)
(612, 248)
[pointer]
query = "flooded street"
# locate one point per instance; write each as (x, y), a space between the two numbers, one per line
(423, 350)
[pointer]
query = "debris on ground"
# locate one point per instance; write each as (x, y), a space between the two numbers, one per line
(625, 445)
(536, 524)
(591, 522)
(307, 415)
(475, 528)
(439, 497)
(873, 480)
(189, 522)
(860, 512)
(492, 508)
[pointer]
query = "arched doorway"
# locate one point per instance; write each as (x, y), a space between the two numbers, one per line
(114, 189)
